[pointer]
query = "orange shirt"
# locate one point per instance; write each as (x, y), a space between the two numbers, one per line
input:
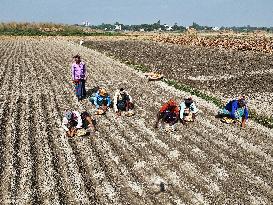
(166, 107)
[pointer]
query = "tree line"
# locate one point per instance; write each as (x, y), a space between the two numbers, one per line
(163, 27)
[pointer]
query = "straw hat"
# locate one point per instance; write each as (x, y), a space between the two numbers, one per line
(102, 92)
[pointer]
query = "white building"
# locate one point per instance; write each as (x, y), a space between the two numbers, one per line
(215, 28)
(85, 23)
(118, 27)
(169, 28)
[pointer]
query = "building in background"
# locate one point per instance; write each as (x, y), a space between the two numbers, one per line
(118, 27)
(85, 23)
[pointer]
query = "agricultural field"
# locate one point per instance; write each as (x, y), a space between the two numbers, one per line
(224, 73)
(127, 161)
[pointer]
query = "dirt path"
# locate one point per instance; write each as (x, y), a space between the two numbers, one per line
(203, 163)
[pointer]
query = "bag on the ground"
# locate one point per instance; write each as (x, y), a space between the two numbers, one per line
(81, 132)
(228, 120)
(187, 115)
(100, 112)
(130, 113)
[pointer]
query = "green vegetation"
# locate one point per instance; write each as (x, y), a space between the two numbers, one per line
(266, 121)
(145, 27)
(157, 26)
(194, 91)
(138, 67)
(48, 29)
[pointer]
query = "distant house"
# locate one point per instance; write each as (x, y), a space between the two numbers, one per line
(118, 27)
(85, 23)
(142, 30)
(215, 28)
(169, 28)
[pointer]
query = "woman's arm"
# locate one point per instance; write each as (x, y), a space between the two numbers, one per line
(108, 101)
(182, 108)
(84, 71)
(64, 124)
(115, 102)
(79, 120)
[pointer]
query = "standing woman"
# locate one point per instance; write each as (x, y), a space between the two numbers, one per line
(79, 75)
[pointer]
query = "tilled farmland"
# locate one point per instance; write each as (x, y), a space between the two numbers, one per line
(219, 72)
(254, 42)
(127, 161)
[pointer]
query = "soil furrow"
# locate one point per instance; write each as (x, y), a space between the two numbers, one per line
(127, 161)
(9, 140)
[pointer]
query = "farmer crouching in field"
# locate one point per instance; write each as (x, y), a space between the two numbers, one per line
(78, 71)
(188, 110)
(122, 102)
(168, 113)
(73, 121)
(235, 110)
(101, 100)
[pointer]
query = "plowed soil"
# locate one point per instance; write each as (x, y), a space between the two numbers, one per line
(127, 161)
(220, 72)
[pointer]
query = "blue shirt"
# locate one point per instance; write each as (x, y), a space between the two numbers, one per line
(99, 100)
(232, 106)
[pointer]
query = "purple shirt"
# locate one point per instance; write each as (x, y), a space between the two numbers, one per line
(78, 71)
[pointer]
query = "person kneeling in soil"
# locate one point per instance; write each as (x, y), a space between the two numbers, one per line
(122, 102)
(235, 110)
(188, 110)
(73, 121)
(168, 113)
(101, 100)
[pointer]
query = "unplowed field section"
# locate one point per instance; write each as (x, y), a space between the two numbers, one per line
(126, 161)
(220, 72)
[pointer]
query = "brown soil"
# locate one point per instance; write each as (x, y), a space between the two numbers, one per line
(127, 161)
(224, 73)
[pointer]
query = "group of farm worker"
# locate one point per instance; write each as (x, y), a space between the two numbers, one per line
(73, 120)
(235, 111)
(170, 113)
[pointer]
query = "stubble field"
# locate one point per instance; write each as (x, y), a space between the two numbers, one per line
(127, 160)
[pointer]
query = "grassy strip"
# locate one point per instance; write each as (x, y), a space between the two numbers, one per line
(36, 32)
(138, 67)
(194, 91)
(263, 120)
